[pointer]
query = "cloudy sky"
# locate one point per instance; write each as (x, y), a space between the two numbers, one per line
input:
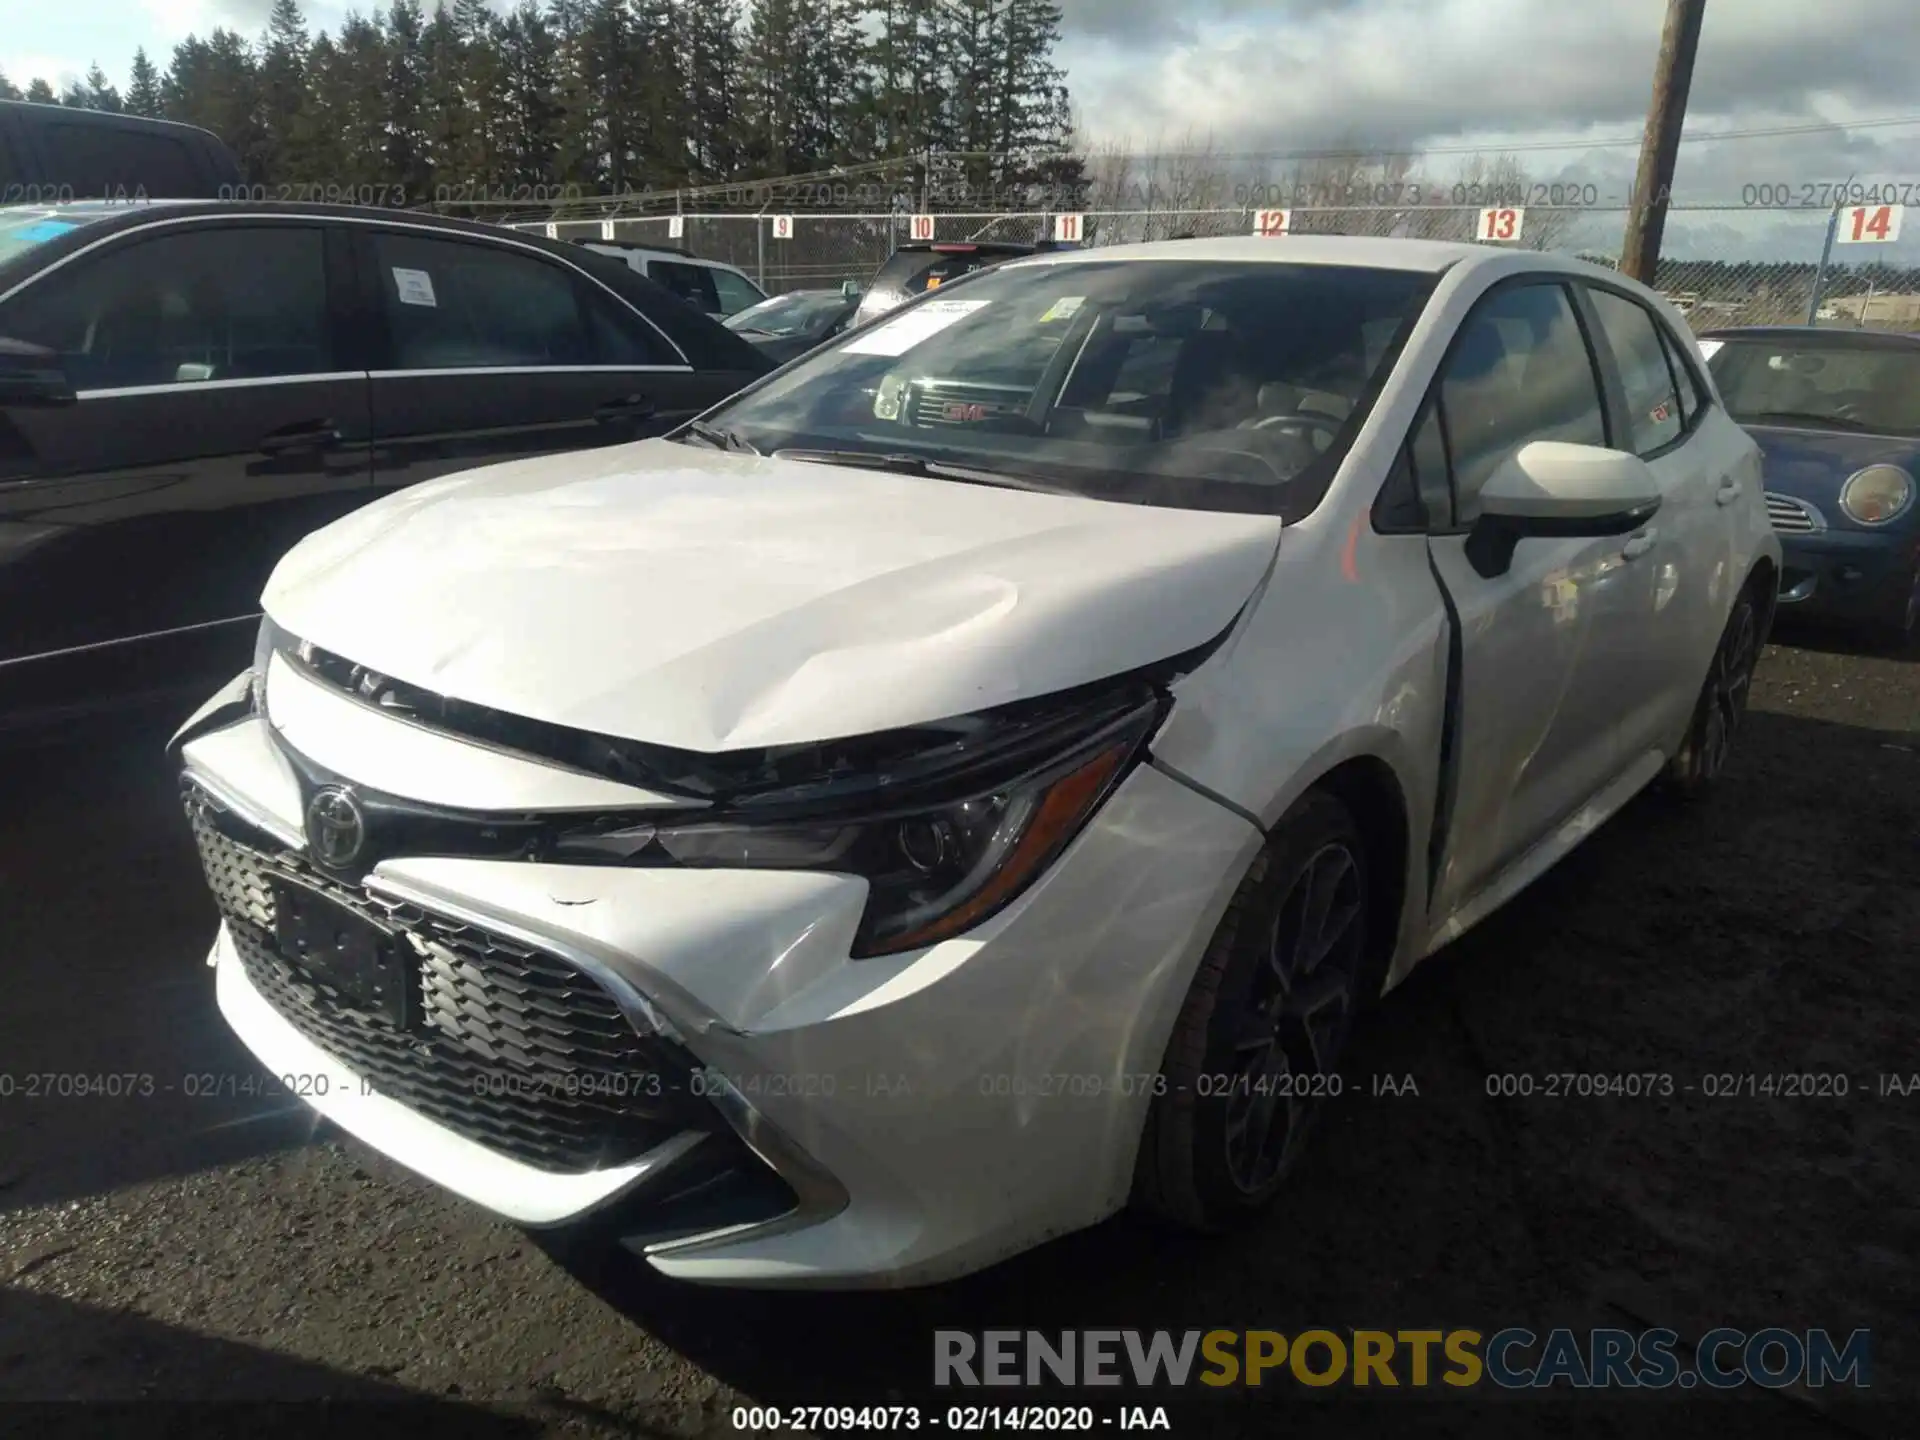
(1563, 83)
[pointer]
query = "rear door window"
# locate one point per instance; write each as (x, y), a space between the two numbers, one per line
(692, 283)
(458, 304)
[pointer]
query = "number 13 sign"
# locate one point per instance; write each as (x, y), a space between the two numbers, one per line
(1500, 223)
(1870, 225)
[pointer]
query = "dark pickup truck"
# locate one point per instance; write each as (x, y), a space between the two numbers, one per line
(56, 155)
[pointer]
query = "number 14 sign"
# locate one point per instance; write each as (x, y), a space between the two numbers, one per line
(1870, 225)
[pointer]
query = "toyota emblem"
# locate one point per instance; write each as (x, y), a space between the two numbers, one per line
(336, 828)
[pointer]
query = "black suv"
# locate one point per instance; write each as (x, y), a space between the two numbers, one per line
(920, 266)
(56, 154)
(189, 387)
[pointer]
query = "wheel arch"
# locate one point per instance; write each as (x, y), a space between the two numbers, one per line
(1370, 789)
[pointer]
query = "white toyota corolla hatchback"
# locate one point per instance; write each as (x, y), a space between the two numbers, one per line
(970, 780)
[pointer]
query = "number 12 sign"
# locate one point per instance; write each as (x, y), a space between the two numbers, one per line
(1501, 223)
(1271, 222)
(1870, 224)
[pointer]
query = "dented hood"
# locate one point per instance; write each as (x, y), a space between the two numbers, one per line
(710, 601)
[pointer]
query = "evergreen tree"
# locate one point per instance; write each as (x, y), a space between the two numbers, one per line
(7, 90)
(100, 94)
(531, 113)
(40, 92)
(409, 161)
(622, 95)
(143, 87)
(483, 88)
(284, 90)
(709, 33)
(448, 123)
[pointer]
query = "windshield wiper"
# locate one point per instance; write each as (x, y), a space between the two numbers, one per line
(720, 437)
(902, 463)
(1805, 417)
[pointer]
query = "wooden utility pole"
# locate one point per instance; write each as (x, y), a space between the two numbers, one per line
(1653, 186)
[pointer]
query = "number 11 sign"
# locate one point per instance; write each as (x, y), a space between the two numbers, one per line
(1870, 225)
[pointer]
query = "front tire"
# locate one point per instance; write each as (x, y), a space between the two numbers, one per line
(1722, 705)
(1255, 1052)
(1901, 628)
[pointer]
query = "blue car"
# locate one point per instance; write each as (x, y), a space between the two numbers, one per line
(1837, 416)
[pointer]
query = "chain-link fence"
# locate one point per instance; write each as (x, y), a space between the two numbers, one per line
(1728, 266)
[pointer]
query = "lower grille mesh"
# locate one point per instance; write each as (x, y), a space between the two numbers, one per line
(515, 1049)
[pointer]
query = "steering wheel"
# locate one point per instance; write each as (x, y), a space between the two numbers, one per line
(1303, 423)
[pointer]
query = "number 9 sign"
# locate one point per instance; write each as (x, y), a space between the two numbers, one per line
(1500, 223)
(783, 227)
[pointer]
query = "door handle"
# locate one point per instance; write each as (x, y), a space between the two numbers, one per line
(1727, 493)
(632, 407)
(1638, 545)
(308, 435)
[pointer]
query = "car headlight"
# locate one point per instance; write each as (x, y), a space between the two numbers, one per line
(936, 866)
(1877, 494)
(264, 644)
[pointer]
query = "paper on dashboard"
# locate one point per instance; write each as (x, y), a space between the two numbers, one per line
(923, 322)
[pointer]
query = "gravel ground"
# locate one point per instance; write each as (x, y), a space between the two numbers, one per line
(170, 1251)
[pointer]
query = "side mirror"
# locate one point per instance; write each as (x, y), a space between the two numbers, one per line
(32, 375)
(1552, 490)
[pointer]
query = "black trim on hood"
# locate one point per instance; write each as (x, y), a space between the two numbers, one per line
(764, 778)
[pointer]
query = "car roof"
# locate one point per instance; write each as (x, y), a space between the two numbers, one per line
(1378, 252)
(706, 343)
(640, 245)
(1838, 335)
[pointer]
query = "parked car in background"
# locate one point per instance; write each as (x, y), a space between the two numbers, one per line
(790, 324)
(831, 849)
(1837, 415)
(60, 154)
(188, 388)
(715, 290)
(917, 267)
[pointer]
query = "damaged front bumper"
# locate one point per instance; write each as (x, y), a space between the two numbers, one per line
(747, 1104)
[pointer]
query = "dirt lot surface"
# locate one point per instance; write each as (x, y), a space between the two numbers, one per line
(171, 1251)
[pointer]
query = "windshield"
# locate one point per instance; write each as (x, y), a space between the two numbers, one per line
(1169, 382)
(1821, 383)
(790, 314)
(22, 228)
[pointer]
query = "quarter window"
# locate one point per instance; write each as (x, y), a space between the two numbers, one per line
(1654, 416)
(455, 305)
(736, 292)
(1519, 371)
(198, 304)
(1693, 397)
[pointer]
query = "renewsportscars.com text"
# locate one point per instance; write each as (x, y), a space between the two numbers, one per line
(1509, 1359)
